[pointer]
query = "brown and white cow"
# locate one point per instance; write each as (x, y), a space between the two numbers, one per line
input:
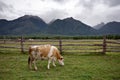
(44, 52)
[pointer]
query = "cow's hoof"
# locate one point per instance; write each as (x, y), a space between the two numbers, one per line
(35, 69)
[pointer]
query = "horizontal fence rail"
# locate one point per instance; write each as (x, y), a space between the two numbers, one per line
(67, 46)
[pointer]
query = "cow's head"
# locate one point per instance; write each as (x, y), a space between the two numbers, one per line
(61, 61)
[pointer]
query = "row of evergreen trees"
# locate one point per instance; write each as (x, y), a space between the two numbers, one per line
(60, 37)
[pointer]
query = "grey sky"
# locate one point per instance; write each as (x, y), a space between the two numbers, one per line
(90, 12)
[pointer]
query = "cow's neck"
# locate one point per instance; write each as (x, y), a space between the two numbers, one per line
(58, 56)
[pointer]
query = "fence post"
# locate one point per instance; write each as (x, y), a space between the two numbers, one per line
(104, 45)
(21, 42)
(4, 40)
(60, 46)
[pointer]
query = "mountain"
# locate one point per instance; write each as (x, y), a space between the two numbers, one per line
(110, 28)
(69, 26)
(24, 25)
(3, 22)
(98, 26)
(29, 24)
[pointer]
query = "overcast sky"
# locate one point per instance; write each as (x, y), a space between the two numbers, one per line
(91, 12)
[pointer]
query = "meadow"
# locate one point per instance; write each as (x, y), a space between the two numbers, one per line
(85, 66)
(13, 66)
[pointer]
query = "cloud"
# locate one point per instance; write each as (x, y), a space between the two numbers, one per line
(2, 6)
(112, 2)
(5, 10)
(53, 14)
(90, 12)
(96, 11)
(113, 14)
(59, 1)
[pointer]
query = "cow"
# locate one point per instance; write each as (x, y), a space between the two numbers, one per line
(42, 52)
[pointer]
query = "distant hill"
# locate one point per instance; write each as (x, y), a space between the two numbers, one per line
(110, 28)
(29, 24)
(69, 26)
(24, 25)
(3, 29)
(98, 26)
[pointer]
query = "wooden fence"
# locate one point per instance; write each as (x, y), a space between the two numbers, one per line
(67, 46)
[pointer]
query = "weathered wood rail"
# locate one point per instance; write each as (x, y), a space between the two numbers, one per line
(82, 46)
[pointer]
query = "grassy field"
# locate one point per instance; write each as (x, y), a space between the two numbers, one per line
(13, 66)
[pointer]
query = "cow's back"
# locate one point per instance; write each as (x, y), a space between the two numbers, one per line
(43, 50)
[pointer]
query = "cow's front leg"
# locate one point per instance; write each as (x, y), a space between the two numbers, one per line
(35, 67)
(53, 61)
(49, 61)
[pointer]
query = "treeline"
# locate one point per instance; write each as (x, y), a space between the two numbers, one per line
(59, 37)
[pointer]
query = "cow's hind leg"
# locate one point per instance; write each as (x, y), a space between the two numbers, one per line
(49, 61)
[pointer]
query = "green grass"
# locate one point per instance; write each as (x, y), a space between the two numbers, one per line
(13, 66)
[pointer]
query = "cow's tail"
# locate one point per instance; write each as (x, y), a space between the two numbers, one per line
(29, 60)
